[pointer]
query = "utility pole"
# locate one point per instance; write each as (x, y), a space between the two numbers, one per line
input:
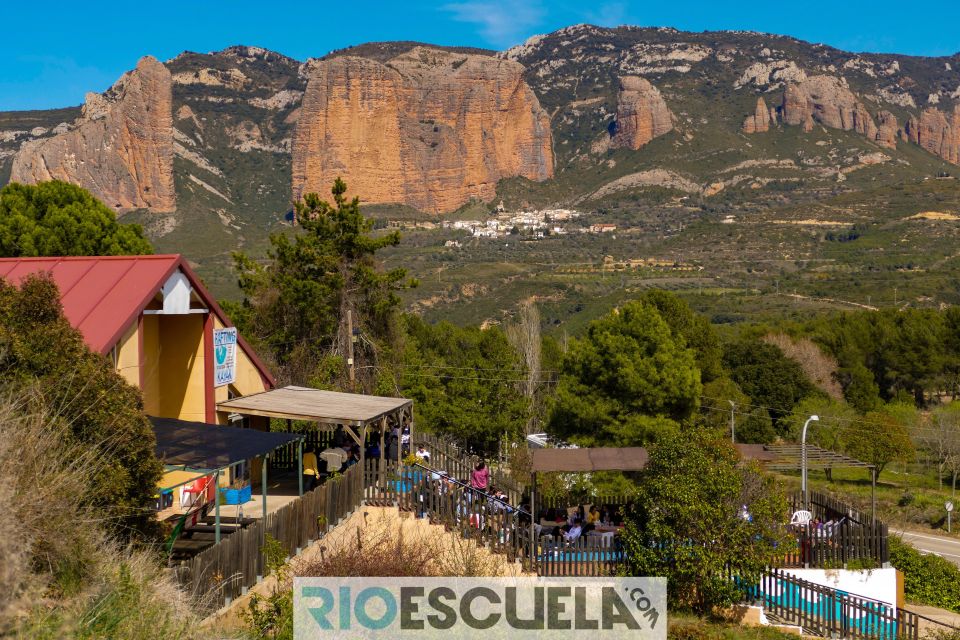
(350, 346)
(894, 296)
(733, 424)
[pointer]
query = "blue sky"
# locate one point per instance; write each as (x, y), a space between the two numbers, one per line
(52, 53)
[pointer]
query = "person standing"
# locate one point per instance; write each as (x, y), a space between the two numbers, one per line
(422, 454)
(480, 477)
(311, 471)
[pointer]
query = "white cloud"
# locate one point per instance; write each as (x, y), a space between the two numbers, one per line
(501, 22)
(608, 14)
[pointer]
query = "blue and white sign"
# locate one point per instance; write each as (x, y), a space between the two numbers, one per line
(224, 356)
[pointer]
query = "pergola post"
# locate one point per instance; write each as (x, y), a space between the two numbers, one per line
(411, 430)
(300, 467)
(873, 496)
(363, 449)
(382, 464)
(263, 486)
(216, 507)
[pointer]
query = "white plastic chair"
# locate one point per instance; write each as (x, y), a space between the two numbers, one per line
(801, 518)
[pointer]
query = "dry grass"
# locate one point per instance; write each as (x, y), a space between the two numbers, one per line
(62, 575)
(381, 548)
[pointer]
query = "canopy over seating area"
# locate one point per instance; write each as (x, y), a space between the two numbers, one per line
(195, 449)
(355, 412)
(317, 405)
(198, 446)
(618, 458)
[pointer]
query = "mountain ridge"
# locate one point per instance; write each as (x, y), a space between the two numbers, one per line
(873, 118)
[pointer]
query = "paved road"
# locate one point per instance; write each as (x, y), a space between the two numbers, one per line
(948, 548)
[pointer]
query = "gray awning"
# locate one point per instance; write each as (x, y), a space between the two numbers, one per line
(207, 447)
(619, 458)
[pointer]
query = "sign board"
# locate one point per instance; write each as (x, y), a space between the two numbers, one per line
(949, 506)
(480, 608)
(224, 356)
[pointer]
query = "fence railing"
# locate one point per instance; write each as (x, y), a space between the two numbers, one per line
(826, 507)
(837, 536)
(834, 546)
(447, 457)
(826, 612)
(224, 571)
(477, 516)
(588, 556)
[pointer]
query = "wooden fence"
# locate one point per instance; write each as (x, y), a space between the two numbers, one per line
(587, 556)
(447, 457)
(825, 507)
(841, 535)
(829, 613)
(226, 570)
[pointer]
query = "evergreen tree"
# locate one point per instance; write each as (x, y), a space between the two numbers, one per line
(627, 381)
(696, 331)
(465, 383)
(297, 305)
(768, 377)
(40, 351)
(60, 219)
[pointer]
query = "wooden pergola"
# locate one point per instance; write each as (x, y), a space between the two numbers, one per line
(781, 457)
(356, 413)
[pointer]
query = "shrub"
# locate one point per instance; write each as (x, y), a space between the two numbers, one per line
(103, 414)
(62, 574)
(686, 523)
(928, 579)
(379, 548)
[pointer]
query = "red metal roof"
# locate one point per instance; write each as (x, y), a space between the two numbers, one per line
(103, 295)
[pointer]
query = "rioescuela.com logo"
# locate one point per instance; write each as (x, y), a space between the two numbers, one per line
(488, 608)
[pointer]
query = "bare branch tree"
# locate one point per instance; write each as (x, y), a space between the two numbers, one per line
(941, 441)
(820, 367)
(524, 335)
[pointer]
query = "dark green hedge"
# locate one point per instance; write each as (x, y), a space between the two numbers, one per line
(928, 579)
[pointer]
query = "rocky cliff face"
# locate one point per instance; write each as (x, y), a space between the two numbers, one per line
(760, 120)
(642, 114)
(887, 130)
(937, 132)
(121, 147)
(828, 101)
(427, 128)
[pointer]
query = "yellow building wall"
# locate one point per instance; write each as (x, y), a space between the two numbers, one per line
(151, 365)
(248, 377)
(128, 355)
(172, 375)
(182, 392)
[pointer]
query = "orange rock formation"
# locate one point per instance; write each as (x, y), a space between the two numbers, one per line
(120, 149)
(937, 132)
(760, 120)
(428, 128)
(642, 114)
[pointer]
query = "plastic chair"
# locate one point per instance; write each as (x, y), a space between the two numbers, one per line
(801, 518)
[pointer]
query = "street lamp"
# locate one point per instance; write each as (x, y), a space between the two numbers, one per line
(803, 463)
